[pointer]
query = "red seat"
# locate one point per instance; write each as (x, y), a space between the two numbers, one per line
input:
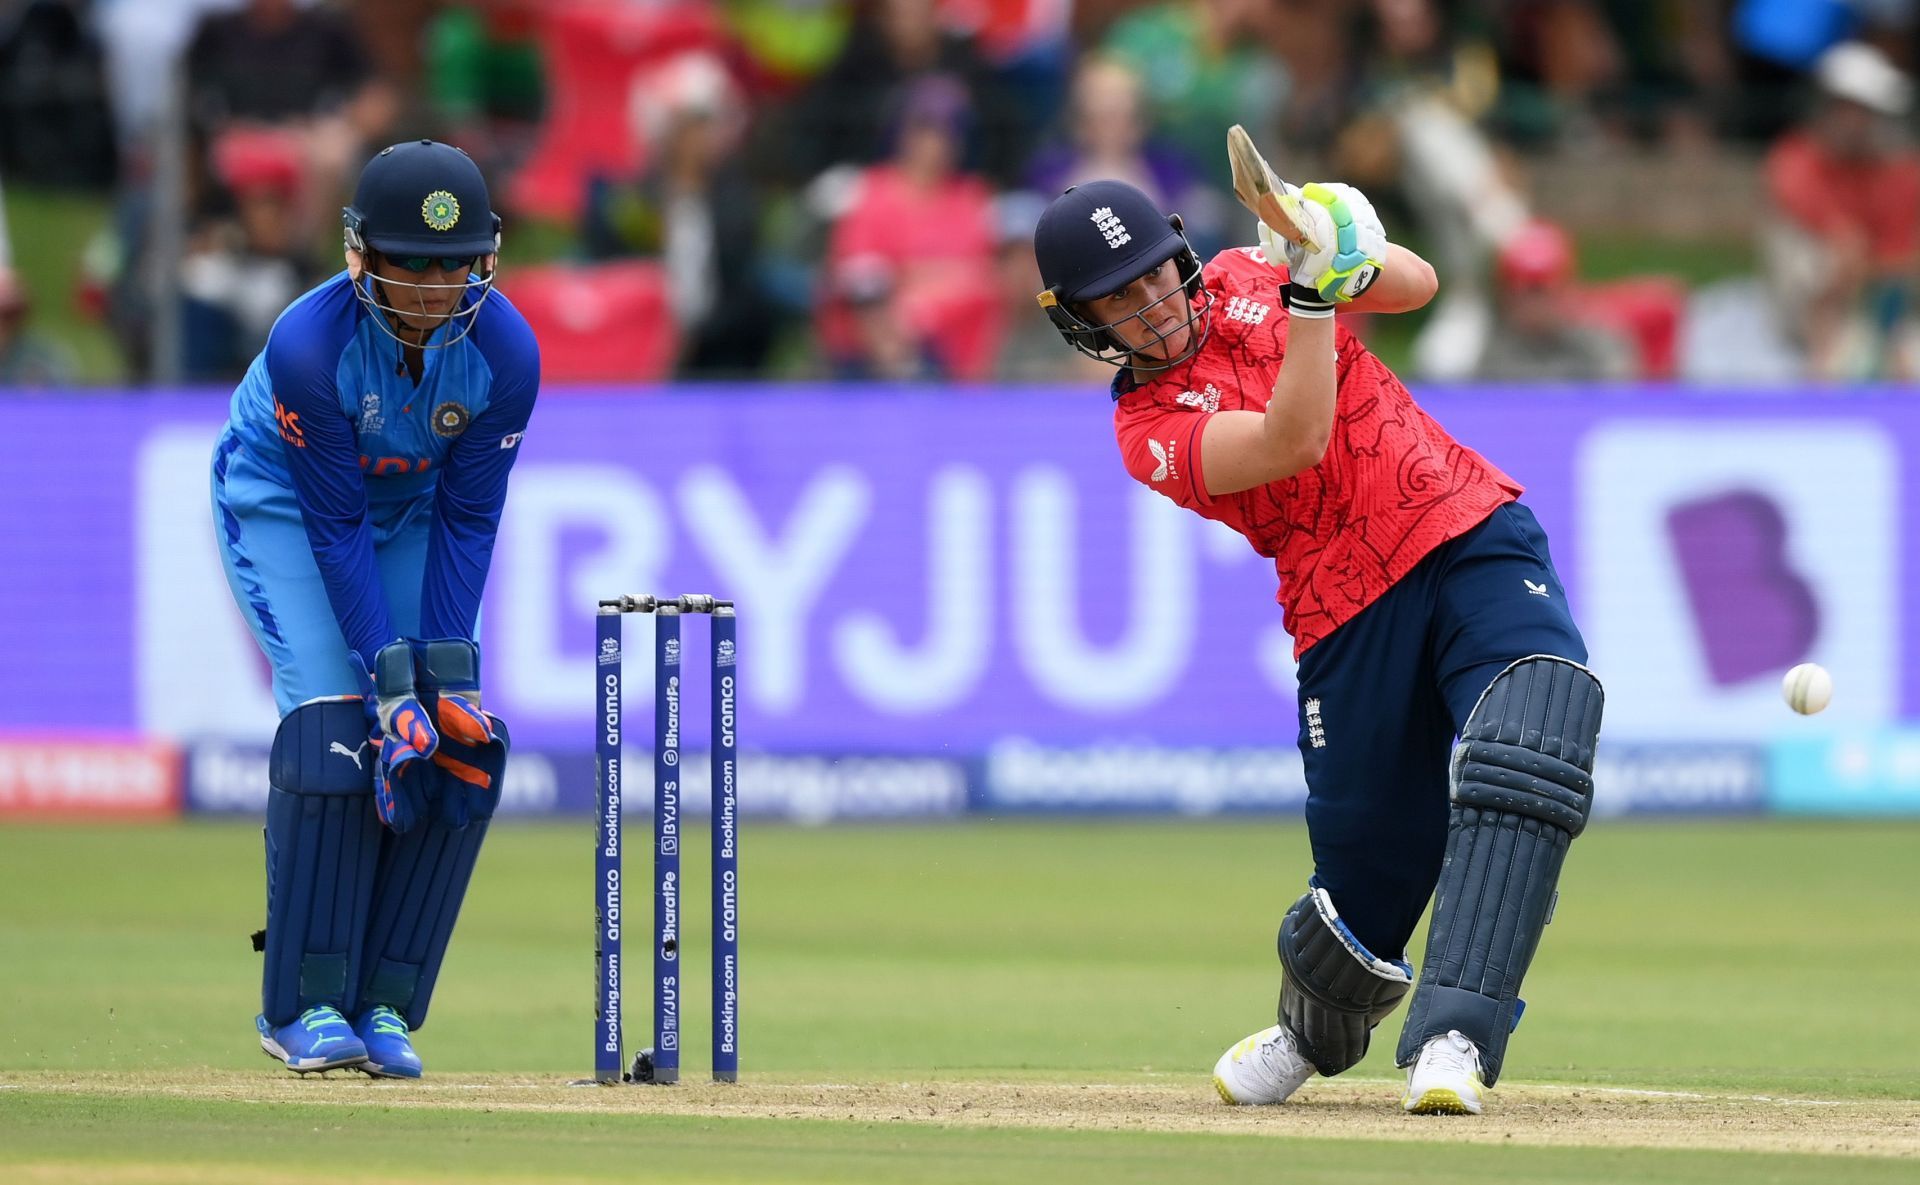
(607, 322)
(1646, 310)
(592, 51)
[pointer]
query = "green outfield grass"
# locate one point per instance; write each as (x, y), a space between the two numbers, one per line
(1724, 958)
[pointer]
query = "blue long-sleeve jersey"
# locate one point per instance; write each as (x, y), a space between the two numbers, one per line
(329, 411)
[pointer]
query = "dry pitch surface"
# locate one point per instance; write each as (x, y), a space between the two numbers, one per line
(1358, 1110)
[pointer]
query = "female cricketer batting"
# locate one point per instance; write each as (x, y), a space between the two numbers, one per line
(357, 488)
(1446, 720)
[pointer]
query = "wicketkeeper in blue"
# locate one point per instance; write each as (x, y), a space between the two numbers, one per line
(357, 489)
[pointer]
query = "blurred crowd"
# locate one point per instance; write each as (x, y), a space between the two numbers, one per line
(845, 189)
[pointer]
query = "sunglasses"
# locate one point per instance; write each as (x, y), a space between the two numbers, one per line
(416, 264)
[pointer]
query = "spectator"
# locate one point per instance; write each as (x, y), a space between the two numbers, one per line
(1029, 53)
(1031, 352)
(56, 123)
(301, 69)
(910, 286)
(786, 43)
(485, 78)
(842, 117)
(695, 211)
(1205, 69)
(1841, 255)
(246, 265)
(1539, 334)
(1107, 137)
(26, 358)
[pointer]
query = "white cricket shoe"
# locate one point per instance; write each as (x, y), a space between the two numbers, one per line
(1445, 1078)
(1263, 1068)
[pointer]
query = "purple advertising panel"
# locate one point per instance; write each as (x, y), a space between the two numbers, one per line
(971, 575)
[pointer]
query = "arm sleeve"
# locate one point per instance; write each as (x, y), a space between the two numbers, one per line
(473, 487)
(1161, 449)
(324, 461)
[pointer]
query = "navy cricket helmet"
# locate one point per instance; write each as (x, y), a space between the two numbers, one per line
(418, 203)
(1099, 237)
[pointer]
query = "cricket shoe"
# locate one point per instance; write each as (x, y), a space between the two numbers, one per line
(1263, 1068)
(389, 1046)
(1445, 1078)
(319, 1039)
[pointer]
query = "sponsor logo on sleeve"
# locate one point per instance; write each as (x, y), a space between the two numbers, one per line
(289, 421)
(511, 439)
(1164, 455)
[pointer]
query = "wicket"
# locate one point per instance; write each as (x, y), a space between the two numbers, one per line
(661, 1064)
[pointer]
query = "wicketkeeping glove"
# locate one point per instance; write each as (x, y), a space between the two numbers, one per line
(1353, 251)
(402, 733)
(471, 753)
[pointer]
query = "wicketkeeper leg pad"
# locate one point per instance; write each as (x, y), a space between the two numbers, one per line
(1333, 990)
(1522, 789)
(419, 885)
(322, 842)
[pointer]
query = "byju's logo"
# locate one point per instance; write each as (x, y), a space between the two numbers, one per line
(1756, 615)
(1709, 556)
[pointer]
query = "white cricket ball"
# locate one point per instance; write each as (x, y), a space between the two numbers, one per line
(1807, 688)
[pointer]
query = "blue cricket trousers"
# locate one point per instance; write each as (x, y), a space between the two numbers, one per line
(1383, 697)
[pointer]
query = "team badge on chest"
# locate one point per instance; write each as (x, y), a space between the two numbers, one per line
(451, 419)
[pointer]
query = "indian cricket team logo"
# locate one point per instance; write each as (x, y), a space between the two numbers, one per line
(609, 653)
(441, 210)
(1111, 227)
(451, 419)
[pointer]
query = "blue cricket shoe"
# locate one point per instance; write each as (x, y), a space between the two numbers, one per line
(319, 1039)
(389, 1048)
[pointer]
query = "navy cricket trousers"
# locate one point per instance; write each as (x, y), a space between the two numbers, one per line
(1383, 697)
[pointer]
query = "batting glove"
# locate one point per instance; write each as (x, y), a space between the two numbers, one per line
(1353, 248)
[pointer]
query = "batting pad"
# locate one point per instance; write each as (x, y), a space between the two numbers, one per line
(322, 842)
(418, 887)
(1522, 789)
(1333, 991)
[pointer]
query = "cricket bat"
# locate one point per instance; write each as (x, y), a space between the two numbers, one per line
(1261, 192)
